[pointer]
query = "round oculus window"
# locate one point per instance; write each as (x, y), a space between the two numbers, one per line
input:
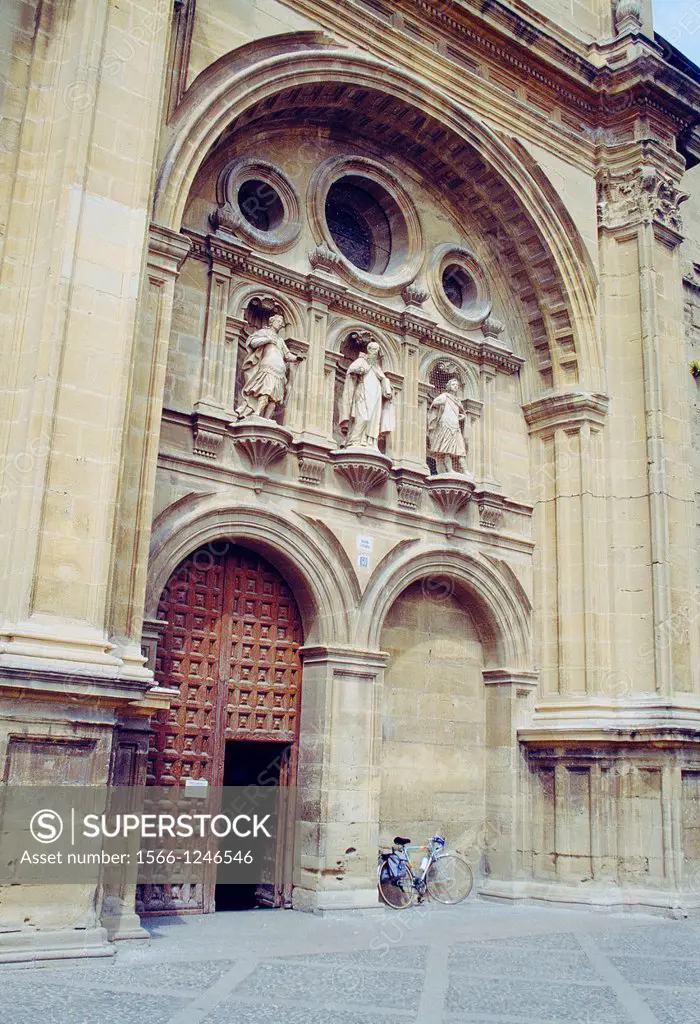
(260, 204)
(359, 215)
(459, 287)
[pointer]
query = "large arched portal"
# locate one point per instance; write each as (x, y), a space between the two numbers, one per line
(229, 645)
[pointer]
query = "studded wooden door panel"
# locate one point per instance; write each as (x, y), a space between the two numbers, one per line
(230, 646)
(261, 655)
(184, 740)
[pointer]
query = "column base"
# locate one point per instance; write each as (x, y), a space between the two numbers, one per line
(315, 901)
(593, 896)
(29, 946)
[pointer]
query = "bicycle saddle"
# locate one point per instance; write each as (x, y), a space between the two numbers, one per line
(400, 841)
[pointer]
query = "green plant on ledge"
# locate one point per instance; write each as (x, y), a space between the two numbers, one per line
(695, 368)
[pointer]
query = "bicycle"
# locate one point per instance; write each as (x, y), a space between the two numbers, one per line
(445, 877)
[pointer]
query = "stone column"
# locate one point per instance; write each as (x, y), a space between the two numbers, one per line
(73, 264)
(338, 823)
(166, 253)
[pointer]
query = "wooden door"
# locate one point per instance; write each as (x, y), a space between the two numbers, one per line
(230, 646)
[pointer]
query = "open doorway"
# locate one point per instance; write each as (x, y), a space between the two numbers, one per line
(254, 763)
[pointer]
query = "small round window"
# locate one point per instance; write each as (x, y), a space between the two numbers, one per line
(358, 215)
(459, 286)
(260, 205)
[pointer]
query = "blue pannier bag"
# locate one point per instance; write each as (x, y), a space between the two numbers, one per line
(394, 864)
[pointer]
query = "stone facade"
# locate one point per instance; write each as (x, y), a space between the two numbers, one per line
(507, 650)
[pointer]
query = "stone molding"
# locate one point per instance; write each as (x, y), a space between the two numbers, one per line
(565, 409)
(207, 248)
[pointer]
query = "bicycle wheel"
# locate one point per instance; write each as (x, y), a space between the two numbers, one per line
(449, 879)
(397, 893)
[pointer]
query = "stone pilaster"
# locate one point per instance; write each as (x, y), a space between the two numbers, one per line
(571, 533)
(338, 826)
(166, 253)
(642, 306)
(509, 703)
(75, 254)
(213, 409)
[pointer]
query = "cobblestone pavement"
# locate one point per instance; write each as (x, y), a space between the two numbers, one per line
(478, 962)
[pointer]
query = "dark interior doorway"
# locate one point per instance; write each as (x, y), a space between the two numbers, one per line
(250, 763)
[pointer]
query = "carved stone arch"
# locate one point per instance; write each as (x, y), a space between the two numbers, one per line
(325, 591)
(243, 293)
(466, 373)
(501, 612)
(503, 189)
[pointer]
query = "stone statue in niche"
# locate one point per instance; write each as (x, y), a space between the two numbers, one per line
(447, 427)
(265, 369)
(366, 407)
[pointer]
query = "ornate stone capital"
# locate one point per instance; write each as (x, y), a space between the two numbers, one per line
(209, 426)
(645, 196)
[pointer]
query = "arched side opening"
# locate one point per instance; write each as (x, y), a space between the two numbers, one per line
(432, 718)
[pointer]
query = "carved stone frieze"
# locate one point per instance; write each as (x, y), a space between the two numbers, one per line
(311, 471)
(410, 321)
(647, 196)
(410, 484)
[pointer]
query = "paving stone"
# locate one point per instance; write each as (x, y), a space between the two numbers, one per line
(543, 1003)
(673, 1007)
(406, 958)
(557, 941)
(277, 1013)
(164, 976)
(32, 1002)
(672, 939)
(342, 984)
(466, 960)
(640, 971)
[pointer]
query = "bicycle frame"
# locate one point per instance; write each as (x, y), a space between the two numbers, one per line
(432, 850)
